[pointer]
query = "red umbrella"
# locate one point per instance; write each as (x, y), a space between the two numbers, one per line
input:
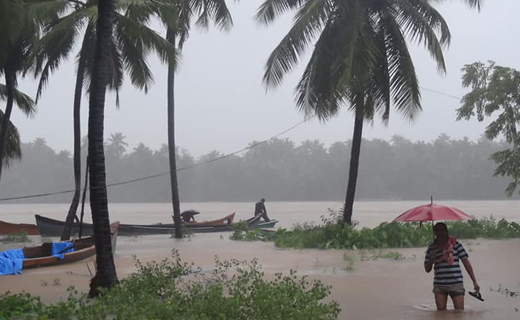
(431, 212)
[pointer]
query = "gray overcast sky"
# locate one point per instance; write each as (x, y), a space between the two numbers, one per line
(222, 105)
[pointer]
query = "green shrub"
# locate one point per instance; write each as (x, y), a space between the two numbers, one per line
(19, 306)
(333, 234)
(15, 238)
(171, 289)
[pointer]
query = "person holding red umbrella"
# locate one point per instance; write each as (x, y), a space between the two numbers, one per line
(444, 256)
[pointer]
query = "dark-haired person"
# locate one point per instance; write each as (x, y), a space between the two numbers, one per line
(445, 255)
(260, 209)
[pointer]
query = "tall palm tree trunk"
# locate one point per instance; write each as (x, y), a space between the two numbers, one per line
(106, 272)
(170, 36)
(77, 152)
(354, 164)
(10, 80)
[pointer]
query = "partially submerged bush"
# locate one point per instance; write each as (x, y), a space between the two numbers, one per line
(15, 238)
(332, 234)
(171, 289)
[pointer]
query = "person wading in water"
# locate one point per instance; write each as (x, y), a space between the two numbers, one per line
(444, 255)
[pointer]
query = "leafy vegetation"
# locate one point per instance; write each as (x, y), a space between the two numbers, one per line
(333, 234)
(496, 90)
(15, 238)
(283, 170)
(173, 289)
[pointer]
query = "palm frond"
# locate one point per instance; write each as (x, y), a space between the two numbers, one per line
(115, 67)
(45, 11)
(87, 52)
(471, 3)
(12, 146)
(309, 21)
(144, 39)
(272, 9)
(315, 93)
(357, 54)
(217, 11)
(133, 53)
(142, 11)
(184, 12)
(419, 20)
(381, 86)
(57, 44)
(25, 103)
(404, 83)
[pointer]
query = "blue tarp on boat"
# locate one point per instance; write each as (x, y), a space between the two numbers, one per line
(11, 261)
(59, 248)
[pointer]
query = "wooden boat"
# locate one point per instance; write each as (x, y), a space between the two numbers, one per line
(7, 228)
(40, 256)
(252, 223)
(52, 228)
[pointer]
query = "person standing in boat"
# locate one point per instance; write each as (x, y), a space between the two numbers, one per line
(260, 209)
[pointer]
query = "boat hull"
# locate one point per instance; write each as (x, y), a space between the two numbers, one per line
(53, 228)
(84, 248)
(7, 228)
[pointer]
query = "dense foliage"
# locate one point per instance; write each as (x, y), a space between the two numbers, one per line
(334, 235)
(495, 94)
(277, 170)
(172, 289)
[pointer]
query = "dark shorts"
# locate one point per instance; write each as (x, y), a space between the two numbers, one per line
(453, 290)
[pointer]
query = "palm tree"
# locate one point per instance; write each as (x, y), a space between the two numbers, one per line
(178, 22)
(117, 144)
(360, 58)
(106, 276)
(132, 42)
(19, 32)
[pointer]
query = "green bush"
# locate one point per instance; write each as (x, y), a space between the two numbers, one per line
(333, 234)
(15, 238)
(171, 289)
(19, 306)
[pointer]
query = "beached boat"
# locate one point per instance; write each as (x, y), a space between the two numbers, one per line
(40, 256)
(53, 228)
(7, 228)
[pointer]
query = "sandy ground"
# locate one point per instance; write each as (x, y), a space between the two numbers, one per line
(375, 289)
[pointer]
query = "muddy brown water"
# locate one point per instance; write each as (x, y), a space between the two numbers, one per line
(374, 289)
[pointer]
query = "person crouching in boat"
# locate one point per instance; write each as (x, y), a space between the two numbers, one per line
(189, 215)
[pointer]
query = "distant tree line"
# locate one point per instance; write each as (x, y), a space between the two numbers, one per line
(278, 170)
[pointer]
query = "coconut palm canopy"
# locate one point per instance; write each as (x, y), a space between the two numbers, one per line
(361, 49)
(131, 44)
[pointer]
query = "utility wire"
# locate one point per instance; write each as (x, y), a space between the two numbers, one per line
(167, 173)
(441, 93)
